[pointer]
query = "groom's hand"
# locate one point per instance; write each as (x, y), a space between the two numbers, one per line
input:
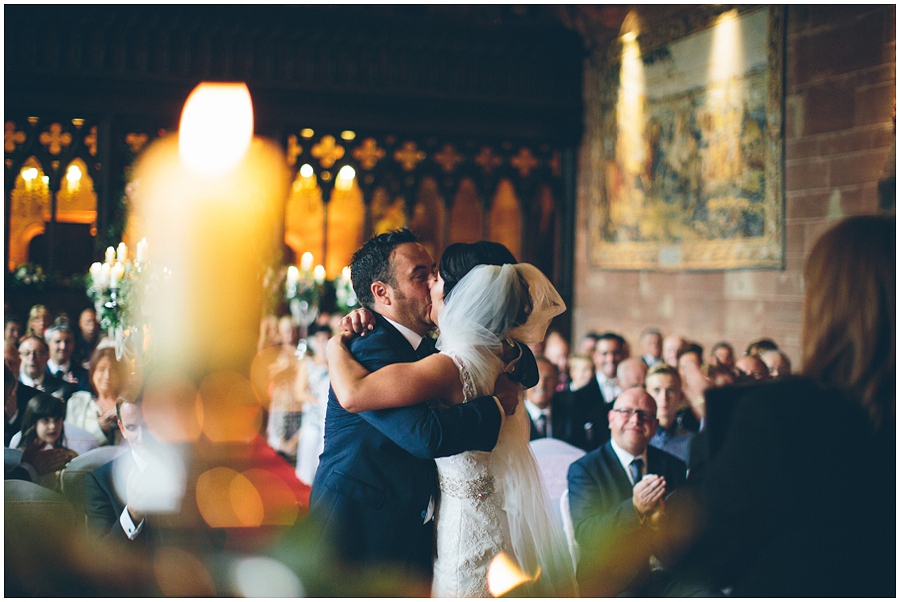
(507, 392)
(358, 321)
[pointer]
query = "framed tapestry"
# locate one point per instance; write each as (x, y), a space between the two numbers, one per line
(686, 159)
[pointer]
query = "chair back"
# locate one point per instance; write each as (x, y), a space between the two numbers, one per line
(569, 528)
(553, 458)
(26, 503)
(72, 477)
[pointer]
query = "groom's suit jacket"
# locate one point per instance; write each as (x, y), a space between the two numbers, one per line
(376, 475)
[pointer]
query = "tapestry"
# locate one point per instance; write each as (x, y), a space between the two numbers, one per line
(687, 166)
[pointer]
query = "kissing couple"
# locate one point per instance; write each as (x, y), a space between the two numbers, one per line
(418, 451)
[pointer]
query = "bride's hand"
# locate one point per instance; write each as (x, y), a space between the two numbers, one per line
(358, 321)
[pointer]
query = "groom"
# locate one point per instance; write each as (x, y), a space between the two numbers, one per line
(375, 490)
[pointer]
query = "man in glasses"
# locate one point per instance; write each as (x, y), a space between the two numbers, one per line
(617, 491)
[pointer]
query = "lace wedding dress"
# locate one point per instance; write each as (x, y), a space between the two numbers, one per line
(494, 502)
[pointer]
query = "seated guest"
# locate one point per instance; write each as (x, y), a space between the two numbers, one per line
(12, 329)
(34, 354)
(672, 412)
(631, 373)
(38, 320)
(113, 512)
(588, 343)
(651, 346)
(581, 371)
(61, 341)
(87, 336)
(690, 357)
(751, 367)
(548, 412)
(95, 411)
(777, 362)
(672, 345)
(615, 493)
(556, 349)
(43, 439)
(722, 354)
(758, 346)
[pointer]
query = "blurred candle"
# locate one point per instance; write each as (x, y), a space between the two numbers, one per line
(319, 274)
(110, 255)
(306, 262)
(210, 196)
(293, 275)
(142, 251)
(122, 252)
(115, 275)
(95, 272)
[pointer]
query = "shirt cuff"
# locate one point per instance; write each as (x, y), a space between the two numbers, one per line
(128, 525)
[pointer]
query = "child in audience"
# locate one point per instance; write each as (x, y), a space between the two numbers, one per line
(42, 439)
(581, 371)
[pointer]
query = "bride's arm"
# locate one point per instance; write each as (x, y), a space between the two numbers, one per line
(394, 385)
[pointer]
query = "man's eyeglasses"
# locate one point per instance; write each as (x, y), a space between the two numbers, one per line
(643, 416)
(36, 352)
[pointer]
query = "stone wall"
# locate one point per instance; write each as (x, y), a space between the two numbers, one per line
(840, 64)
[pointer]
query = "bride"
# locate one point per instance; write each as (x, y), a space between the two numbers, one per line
(491, 502)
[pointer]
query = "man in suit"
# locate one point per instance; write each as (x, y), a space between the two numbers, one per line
(616, 492)
(33, 371)
(61, 341)
(591, 403)
(548, 409)
(109, 516)
(374, 493)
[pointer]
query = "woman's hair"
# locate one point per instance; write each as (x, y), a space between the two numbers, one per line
(40, 406)
(849, 313)
(116, 365)
(459, 258)
(663, 368)
(32, 314)
(758, 346)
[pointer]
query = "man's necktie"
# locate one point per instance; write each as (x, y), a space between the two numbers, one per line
(635, 467)
(541, 425)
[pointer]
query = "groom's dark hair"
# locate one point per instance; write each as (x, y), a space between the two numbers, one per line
(372, 263)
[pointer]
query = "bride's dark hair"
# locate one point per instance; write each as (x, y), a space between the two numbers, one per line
(459, 258)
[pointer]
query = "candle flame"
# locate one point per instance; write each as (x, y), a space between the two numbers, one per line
(504, 575)
(216, 127)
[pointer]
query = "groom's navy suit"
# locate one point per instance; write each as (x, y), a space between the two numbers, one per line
(376, 475)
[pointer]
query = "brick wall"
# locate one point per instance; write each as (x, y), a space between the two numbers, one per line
(840, 64)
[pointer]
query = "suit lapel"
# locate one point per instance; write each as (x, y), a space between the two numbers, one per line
(623, 483)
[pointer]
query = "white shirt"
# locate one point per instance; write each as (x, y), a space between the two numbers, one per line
(413, 338)
(609, 387)
(625, 459)
(535, 412)
(54, 367)
(36, 383)
(132, 530)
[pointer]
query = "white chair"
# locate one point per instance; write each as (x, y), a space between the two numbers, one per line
(553, 458)
(569, 528)
(72, 476)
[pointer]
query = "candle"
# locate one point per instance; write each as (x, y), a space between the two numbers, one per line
(345, 272)
(122, 253)
(319, 274)
(115, 275)
(293, 275)
(211, 193)
(110, 255)
(142, 251)
(306, 262)
(95, 272)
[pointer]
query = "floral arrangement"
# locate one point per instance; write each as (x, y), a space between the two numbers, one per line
(112, 285)
(29, 274)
